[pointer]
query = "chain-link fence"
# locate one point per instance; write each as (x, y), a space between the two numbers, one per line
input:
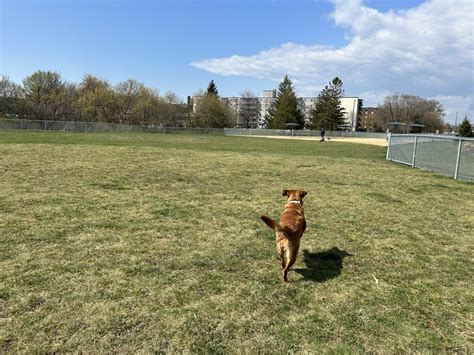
(73, 126)
(452, 156)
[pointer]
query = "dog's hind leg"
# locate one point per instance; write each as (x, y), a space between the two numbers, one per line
(291, 254)
(282, 246)
(281, 253)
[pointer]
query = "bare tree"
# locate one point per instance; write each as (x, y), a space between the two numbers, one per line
(171, 98)
(95, 100)
(68, 110)
(211, 112)
(10, 94)
(172, 111)
(127, 96)
(409, 109)
(248, 109)
(145, 109)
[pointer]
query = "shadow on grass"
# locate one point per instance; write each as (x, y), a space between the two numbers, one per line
(324, 265)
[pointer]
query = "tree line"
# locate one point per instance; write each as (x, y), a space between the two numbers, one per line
(44, 95)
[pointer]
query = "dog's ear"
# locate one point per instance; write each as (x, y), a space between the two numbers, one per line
(285, 192)
(303, 194)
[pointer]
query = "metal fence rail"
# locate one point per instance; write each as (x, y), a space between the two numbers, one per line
(451, 156)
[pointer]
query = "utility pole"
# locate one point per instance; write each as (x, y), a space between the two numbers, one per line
(354, 125)
(456, 122)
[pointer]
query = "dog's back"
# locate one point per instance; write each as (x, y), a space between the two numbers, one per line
(289, 229)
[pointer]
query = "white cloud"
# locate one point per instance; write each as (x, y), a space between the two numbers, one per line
(460, 105)
(372, 98)
(427, 51)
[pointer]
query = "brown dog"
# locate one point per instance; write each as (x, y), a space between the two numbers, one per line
(290, 229)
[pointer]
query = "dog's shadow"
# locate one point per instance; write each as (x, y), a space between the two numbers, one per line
(324, 265)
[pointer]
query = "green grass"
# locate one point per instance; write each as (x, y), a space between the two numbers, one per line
(143, 242)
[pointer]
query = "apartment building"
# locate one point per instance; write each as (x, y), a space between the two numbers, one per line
(247, 110)
(367, 116)
(251, 111)
(350, 106)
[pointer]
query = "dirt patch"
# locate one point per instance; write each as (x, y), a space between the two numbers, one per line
(374, 141)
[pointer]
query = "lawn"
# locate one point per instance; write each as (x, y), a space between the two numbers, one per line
(152, 242)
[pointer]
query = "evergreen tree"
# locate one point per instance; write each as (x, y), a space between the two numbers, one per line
(328, 113)
(212, 88)
(465, 129)
(360, 104)
(284, 109)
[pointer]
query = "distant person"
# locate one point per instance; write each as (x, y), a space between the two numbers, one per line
(322, 134)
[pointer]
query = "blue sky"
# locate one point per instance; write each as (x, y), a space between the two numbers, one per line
(375, 46)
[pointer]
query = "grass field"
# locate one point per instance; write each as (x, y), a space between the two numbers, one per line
(145, 242)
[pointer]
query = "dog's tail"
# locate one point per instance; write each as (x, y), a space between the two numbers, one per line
(269, 222)
(275, 226)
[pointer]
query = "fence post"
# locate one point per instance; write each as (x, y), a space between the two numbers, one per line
(456, 171)
(414, 152)
(45, 125)
(388, 147)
